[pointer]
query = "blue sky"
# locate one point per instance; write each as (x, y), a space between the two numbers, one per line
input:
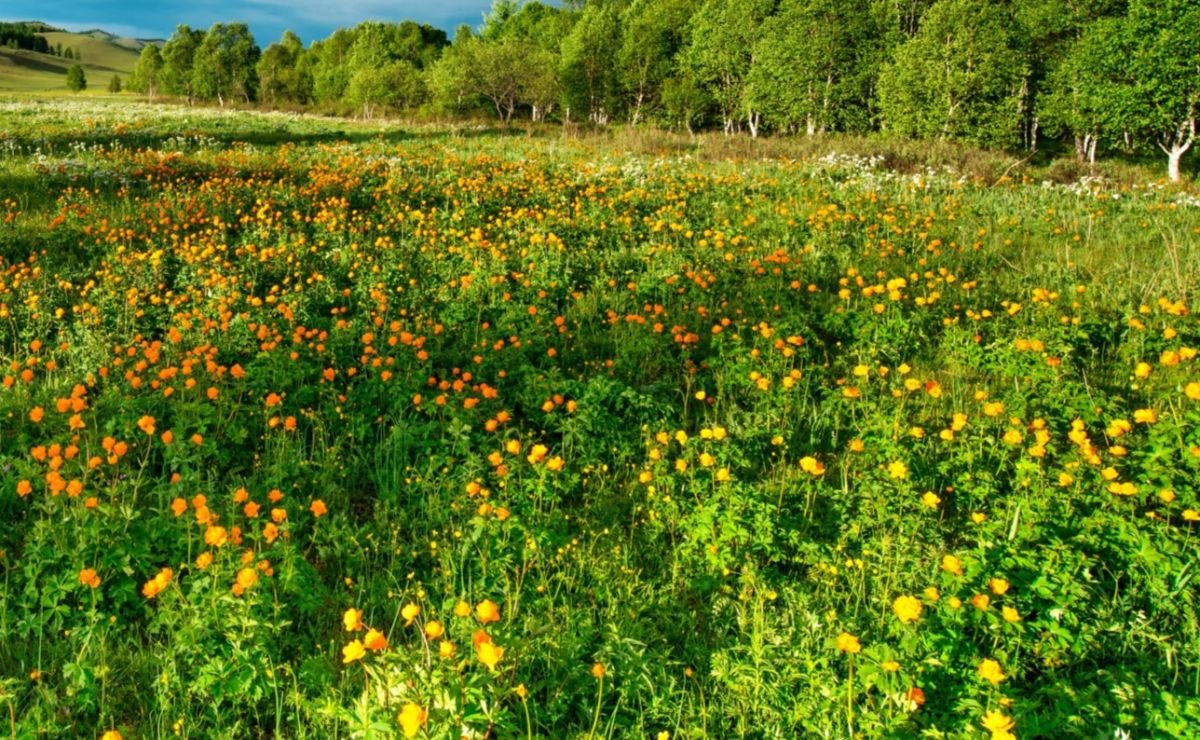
(312, 19)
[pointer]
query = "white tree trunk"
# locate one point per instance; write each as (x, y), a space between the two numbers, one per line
(1177, 146)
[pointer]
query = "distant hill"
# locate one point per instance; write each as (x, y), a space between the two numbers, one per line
(128, 43)
(103, 55)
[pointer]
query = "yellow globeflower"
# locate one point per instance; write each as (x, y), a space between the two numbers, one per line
(907, 609)
(410, 612)
(412, 718)
(353, 651)
(997, 723)
(897, 470)
(489, 653)
(487, 611)
(848, 643)
(990, 671)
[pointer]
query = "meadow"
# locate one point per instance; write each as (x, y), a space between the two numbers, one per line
(314, 429)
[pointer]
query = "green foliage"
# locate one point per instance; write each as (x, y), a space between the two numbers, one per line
(958, 77)
(148, 75)
(809, 72)
(76, 79)
(224, 65)
(593, 441)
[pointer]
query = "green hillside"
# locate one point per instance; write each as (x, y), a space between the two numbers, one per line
(103, 56)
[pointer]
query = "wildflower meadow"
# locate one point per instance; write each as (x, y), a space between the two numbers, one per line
(313, 429)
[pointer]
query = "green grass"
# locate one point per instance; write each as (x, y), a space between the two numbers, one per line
(692, 441)
(26, 71)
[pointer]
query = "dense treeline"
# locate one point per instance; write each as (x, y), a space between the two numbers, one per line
(23, 36)
(1099, 74)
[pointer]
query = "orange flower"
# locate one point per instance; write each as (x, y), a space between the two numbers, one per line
(88, 577)
(24, 488)
(247, 577)
(375, 640)
(155, 585)
(36, 414)
(318, 508)
(146, 424)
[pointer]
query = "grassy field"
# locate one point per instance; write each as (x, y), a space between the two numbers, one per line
(103, 56)
(313, 428)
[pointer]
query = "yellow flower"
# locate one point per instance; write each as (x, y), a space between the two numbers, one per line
(930, 500)
(410, 612)
(1192, 391)
(951, 564)
(352, 620)
(598, 670)
(897, 470)
(487, 611)
(434, 629)
(412, 718)
(999, 586)
(489, 653)
(111, 735)
(446, 649)
(990, 671)
(462, 609)
(848, 643)
(353, 651)
(1010, 614)
(996, 722)
(907, 609)
(890, 666)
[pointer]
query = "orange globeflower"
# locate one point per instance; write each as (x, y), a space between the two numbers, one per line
(146, 424)
(88, 577)
(36, 414)
(318, 508)
(24, 488)
(246, 578)
(375, 640)
(155, 585)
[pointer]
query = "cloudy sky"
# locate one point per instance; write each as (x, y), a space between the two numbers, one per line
(312, 19)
